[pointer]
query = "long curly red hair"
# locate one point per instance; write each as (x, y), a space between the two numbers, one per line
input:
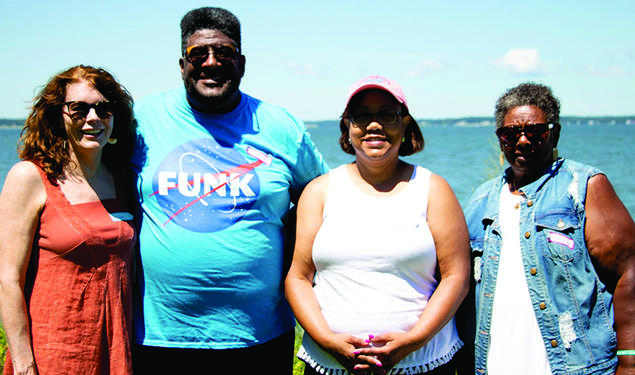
(43, 138)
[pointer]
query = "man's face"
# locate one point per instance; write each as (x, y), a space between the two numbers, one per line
(212, 83)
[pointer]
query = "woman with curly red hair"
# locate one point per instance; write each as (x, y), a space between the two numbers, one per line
(67, 245)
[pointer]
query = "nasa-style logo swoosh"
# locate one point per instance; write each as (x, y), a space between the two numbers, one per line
(205, 187)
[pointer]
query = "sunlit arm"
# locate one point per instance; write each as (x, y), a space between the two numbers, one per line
(610, 238)
(21, 202)
(451, 239)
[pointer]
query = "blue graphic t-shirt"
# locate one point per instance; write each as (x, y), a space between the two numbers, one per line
(214, 190)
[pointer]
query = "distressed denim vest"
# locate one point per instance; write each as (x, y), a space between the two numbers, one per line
(572, 306)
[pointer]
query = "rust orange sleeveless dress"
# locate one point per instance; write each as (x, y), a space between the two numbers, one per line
(79, 286)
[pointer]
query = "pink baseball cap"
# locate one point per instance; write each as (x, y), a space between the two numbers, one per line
(378, 82)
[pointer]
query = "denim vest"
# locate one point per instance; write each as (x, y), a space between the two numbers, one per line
(572, 306)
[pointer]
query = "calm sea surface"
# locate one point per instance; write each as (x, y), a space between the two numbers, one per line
(468, 155)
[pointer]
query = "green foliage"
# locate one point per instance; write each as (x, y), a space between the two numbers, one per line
(3, 349)
(493, 168)
(298, 365)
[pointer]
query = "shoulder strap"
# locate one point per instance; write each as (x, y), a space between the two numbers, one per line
(338, 182)
(52, 190)
(418, 190)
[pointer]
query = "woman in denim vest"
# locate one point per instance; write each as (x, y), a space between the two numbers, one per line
(552, 246)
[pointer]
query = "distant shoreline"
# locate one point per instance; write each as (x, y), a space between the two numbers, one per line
(457, 121)
(489, 121)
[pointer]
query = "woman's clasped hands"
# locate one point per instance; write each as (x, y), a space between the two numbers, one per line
(374, 355)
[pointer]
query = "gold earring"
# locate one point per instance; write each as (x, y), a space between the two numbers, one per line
(112, 141)
(501, 158)
(555, 153)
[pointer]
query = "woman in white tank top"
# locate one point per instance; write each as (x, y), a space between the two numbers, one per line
(381, 261)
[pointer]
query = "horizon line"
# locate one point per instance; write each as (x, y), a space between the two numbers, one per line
(457, 118)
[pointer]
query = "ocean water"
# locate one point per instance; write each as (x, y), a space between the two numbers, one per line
(466, 153)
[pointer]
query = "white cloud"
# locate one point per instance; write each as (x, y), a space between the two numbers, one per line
(305, 70)
(425, 66)
(609, 71)
(520, 61)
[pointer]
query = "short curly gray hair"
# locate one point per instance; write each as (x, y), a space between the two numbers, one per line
(528, 93)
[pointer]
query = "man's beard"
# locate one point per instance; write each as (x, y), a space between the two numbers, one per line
(213, 101)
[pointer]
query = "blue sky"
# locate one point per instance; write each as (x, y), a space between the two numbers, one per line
(453, 58)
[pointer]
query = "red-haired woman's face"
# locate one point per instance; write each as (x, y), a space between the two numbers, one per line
(88, 133)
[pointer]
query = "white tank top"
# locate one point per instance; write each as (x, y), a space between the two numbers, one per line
(375, 261)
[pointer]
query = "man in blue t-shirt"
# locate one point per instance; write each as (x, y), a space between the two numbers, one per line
(217, 170)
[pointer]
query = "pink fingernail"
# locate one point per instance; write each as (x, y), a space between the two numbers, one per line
(371, 337)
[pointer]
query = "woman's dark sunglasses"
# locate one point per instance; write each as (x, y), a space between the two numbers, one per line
(386, 118)
(197, 55)
(78, 110)
(535, 133)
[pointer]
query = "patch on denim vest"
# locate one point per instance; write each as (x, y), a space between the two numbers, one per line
(561, 239)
